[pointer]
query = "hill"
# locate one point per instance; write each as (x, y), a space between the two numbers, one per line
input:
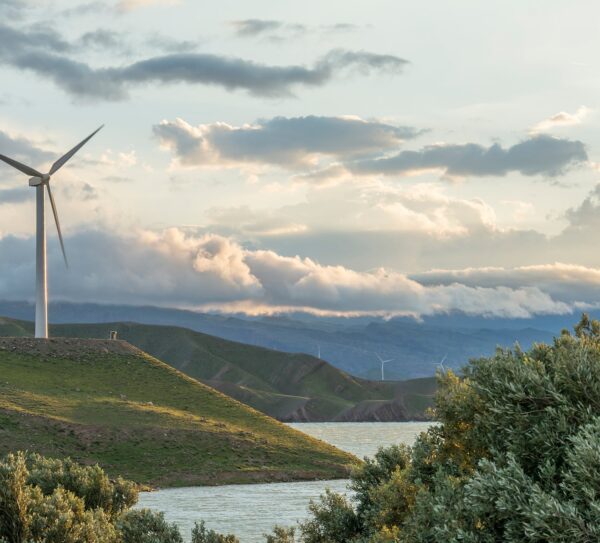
(348, 343)
(107, 402)
(286, 386)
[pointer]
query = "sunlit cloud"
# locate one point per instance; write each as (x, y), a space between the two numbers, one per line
(178, 269)
(289, 142)
(562, 119)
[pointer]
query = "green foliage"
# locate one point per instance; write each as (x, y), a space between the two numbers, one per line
(15, 497)
(53, 514)
(46, 500)
(201, 534)
(144, 526)
(333, 520)
(281, 535)
(90, 483)
(515, 458)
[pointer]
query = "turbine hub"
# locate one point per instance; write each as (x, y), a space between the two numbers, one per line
(37, 181)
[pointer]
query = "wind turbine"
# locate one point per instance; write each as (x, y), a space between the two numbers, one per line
(39, 181)
(442, 363)
(383, 363)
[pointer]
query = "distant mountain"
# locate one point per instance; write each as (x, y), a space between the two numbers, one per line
(349, 344)
(289, 387)
(107, 402)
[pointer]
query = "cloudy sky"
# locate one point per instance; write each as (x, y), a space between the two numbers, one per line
(342, 158)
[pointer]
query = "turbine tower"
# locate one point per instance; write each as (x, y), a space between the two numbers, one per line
(383, 363)
(39, 181)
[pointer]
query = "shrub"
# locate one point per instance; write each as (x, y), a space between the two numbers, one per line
(281, 535)
(88, 482)
(515, 457)
(55, 516)
(200, 534)
(144, 526)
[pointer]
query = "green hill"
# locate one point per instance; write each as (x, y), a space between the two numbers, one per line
(107, 402)
(289, 387)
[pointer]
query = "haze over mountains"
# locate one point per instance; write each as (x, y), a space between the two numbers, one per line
(349, 344)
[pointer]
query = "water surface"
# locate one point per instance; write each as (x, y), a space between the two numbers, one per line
(249, 511)
(363, 438)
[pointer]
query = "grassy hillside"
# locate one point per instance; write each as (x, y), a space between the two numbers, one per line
(289, 387)
(107, 402)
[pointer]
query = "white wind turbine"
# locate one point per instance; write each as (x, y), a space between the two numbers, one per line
(442, 363)
(39, 180)
(383, 363)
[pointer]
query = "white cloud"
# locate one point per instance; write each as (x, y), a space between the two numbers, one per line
(562, 119)
(177, 269)
(288, 142)
(129, 5)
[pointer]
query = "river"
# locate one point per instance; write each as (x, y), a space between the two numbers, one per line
(249, 511)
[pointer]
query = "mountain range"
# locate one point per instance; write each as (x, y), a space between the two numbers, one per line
(350, 344)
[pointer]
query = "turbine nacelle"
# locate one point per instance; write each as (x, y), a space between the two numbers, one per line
(37, 181)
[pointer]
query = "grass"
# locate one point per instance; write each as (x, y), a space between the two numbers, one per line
(286, 386)
(104, 402)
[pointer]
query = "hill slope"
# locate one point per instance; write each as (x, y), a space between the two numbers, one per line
(110, 403)
(289, 387)
(349, 344)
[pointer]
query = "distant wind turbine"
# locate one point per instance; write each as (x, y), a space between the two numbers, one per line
(319, 352)
(442, 362)
(383, 363)
(39, 181)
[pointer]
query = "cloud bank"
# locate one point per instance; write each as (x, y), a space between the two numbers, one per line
(46, 54)
(294, 142)
(356, 147)
(210, 271)
(536, 155)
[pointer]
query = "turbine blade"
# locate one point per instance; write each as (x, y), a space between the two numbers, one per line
(21, 167)
(55, 212)
(379, 357)
(63, 159)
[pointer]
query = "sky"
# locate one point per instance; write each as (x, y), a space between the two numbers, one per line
(340, 158)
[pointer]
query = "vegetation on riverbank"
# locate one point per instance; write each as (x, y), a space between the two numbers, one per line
(59, 501)
(516, 457)
(107, 402)
(288, 387)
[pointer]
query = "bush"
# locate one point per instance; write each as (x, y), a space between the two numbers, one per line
(144, 526)
(89, 483)
(52, 515)
(281, 535)
(200, 534)
(515, 458)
